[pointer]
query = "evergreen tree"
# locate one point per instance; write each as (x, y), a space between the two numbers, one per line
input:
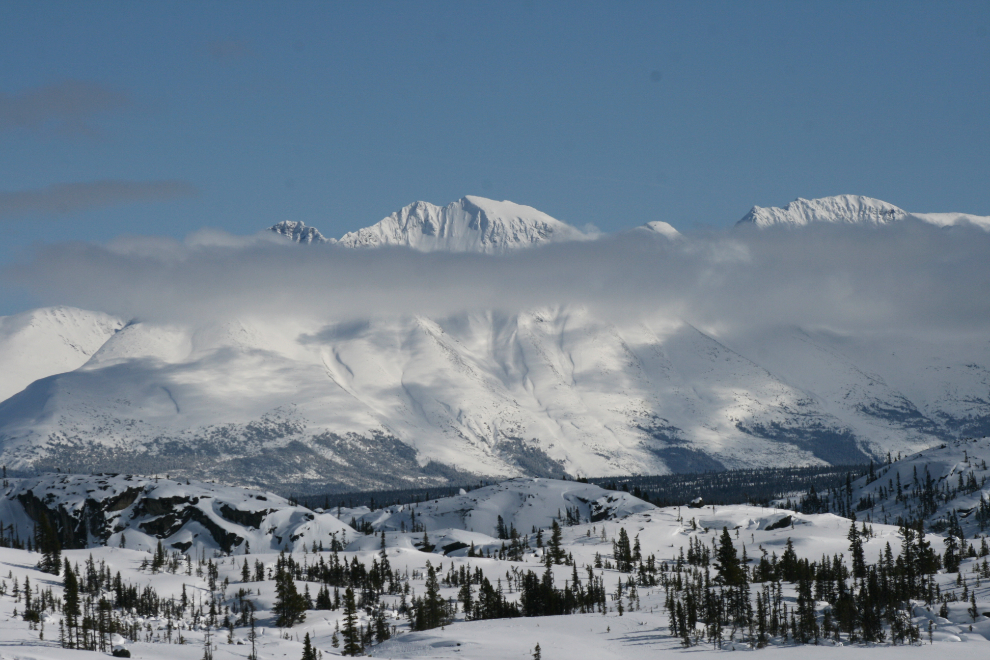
(290, 605)
(46, 540)
(555, 546)
(856, 552)
(501, 532)
(622, 552)
(729, 570)
(309, 653)
(430, 611)
(351, 632)
(70, 605)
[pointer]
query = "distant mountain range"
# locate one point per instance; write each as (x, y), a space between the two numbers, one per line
(407, 400)
(471, 224)
(850, 209)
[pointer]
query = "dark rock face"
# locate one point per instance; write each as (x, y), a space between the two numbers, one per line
(74, 528)
(89, 510)
(246, 518)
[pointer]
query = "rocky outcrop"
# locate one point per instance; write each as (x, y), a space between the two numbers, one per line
(140, 512)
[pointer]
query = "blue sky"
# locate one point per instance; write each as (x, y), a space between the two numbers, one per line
(163, 118)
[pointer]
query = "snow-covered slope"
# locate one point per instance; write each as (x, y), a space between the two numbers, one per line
(118, 510)
(471, 224)
(851, 209)
(48, 341)
(213, 581)
(660, 228)
(521, 503)
(939, 485)
(412, 401)
(954, 219)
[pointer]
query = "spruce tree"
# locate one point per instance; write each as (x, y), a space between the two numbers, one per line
(290, 605)
(309, 653)
(555, 545)
(70, 605)
(351, 632)
(729, 570)
(856, 552)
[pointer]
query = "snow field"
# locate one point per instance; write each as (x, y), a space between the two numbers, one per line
(638, 633)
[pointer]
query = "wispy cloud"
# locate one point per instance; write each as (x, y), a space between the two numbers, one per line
(68, 198)
(67, 106)
(228, 50)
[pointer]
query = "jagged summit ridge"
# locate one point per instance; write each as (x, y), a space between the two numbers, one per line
(298, 232)
(471, 224)
(847, 209)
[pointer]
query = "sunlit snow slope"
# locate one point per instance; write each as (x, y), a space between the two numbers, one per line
(399, 401)
(48, 341)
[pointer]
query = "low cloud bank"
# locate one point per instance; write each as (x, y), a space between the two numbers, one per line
(907, 277)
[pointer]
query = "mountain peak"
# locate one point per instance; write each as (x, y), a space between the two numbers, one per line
(661, 228)
(471, 224)
(847, 209)
(298, 232)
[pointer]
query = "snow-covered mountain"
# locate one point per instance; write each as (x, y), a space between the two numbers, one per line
(407, 401)
(400, 400)
(48, 341)
(298, 232)
(471, 224)
(849, 209)
(853, 210)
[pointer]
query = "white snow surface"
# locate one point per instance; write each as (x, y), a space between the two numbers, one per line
(471, 224)
(535, 393)
(49, 340)
(850, 209)
(641, 632)
(522, 503)
(955, 219)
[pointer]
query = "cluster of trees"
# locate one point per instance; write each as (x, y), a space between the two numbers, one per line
(915, 498)
(866, 600)
(757, 486)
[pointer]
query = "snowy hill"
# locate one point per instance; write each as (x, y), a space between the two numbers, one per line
(660, 228)
(943, 486)
(234, 601)
(521, 503)
(97, 510)
(48, 341)
(954, 220)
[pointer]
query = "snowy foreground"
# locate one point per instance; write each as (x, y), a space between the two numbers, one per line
(642, 630)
